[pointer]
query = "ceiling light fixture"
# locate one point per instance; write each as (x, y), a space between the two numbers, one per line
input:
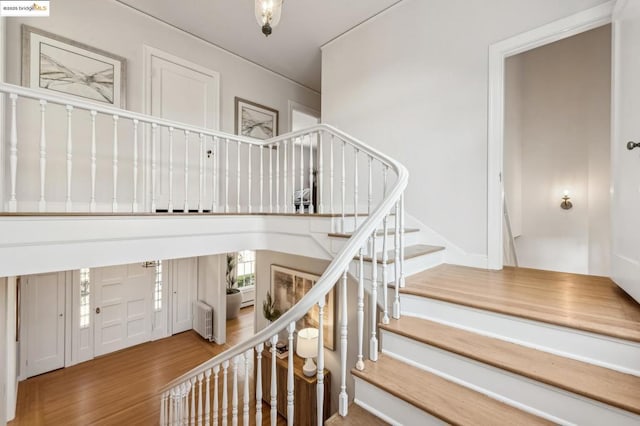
(268, 14)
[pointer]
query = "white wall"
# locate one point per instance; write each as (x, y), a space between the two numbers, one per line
(264, 260)
(12, 354)
(3, 351)
(513, 142)
(564, 130)
(413, 83)
(212, 291)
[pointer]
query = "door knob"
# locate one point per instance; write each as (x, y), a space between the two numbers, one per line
(97, 310)
(632, 144)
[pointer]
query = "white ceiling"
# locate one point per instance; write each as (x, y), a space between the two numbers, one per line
(293, 49)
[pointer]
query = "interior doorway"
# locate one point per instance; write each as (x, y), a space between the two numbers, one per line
(557, 155)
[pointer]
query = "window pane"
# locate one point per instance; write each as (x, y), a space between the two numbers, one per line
(157, 292)
(246, 268)
(85, 298)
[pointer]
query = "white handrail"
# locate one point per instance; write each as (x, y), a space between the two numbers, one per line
(335, 269)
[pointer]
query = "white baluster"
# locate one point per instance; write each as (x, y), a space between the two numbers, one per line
(396, 264)
(92, 203)
(385, 256)
(186, 171)
(215, 179)
(13, 152)
(200, 411)
(261, 178)
(234, 394)
(207, 395)
(154, 171)
(245, 398)
(134, 202)
(270, 180)
(204, 152)
(360, 314)
(238, 177)
(201, 179)
(172, 407)
(42, 204)
(320, 174)
(343, 398)
(185, 407)
(278, 177)
(170, 208)
(216, 370)
(320, 375)
(68, 204)
(402, 243)
(290, 383)
(163, 409)
(249, 180)
(192, 412)
(114, 205)
(370, 192)
(344, 189)
(225, 396)
(285, 202)
(311, 206)
(259, 350)
(293, 174)
(331, 209)
(226, 176)
(274, 381)
(355, 188)
(373, 343)
(301, 174)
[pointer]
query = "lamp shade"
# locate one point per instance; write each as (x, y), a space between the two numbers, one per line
(268, 12)
(307, 343)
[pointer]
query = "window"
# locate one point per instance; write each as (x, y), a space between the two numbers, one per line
(85, 298)
(246, 268)
(157, 290)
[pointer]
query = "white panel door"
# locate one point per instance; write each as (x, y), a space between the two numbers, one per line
(188, 93)
(625, 256)
(184, 288)
(43, 300)
(123, 307)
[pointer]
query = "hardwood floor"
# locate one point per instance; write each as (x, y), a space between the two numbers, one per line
(583, 302)
(123, 387)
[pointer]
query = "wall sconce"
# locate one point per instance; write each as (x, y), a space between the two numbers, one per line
(566, 204)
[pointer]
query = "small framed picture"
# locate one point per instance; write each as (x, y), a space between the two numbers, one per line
(255, 120)
(56, 63)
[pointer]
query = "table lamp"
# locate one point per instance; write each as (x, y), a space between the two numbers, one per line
(307, 347)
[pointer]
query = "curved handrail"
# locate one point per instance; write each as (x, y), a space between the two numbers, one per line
(335, 269)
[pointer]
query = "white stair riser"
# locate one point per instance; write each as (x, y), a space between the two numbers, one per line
(411, 266)
(616, 354)
(391, 408)
(529, 395)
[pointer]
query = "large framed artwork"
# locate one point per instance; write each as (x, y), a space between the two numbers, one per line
(288, 286)
(66, 66)
(255, 120)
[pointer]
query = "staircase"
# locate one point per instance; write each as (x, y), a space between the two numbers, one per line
(446, 362)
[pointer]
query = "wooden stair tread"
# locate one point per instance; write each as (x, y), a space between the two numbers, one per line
(589, 303)
(378, 234)
(409, 253)
(441, 398)
(357, 416)
(599, 383)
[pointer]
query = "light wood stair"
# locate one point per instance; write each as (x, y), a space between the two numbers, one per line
(601, 384)
(437, 398)
(410, 252)
(357, 416)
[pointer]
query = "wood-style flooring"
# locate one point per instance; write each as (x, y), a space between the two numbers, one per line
(584, 302)
(123, 388)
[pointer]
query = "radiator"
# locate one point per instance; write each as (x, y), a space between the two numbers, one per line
(203, 320)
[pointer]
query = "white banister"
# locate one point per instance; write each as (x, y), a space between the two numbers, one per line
(249, 188)
(402, 240)
(92, 203)
(293, 174)
(285, 201)
(370, 189)
(170, 208)
(68, 204)
(238, 176)
(134, 202)
(385, 256)
(355, 188)
(261, 179)
(277, 147)
(274, 382)
(270, 179)
(154, 171)
(114, 205)
(331, 209)
(226, 176)
(343, 399)
(301, 174)
(192, 411)
(42, 204)
(373, 341)
(245, 396)
(215, 181)
(396, 264)
(216, 370)
(259, 348)
(225, 390)
(201, 176)
(320, 374)
(13, 152)
(200, 407)
(320, 174)
(290, 382)
(311, 207)
(360, 309)
(234, 392)
(343, 191)
(186, 172)
(163, 408)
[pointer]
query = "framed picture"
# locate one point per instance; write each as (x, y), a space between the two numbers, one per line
(255, 120)
(288, 286)
(55, 63)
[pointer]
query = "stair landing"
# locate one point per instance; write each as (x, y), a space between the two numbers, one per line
(583, 302)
